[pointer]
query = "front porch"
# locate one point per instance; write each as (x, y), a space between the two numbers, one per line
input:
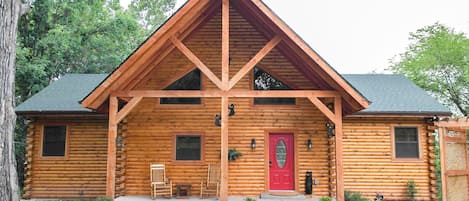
(230, 198)
(150, 134)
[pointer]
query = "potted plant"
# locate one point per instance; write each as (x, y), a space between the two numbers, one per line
(233, 154)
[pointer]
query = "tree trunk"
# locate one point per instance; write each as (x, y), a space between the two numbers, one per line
(10, 10)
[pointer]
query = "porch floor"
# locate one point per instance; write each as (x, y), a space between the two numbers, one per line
(231, 198)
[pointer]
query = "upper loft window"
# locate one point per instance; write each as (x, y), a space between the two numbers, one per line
(54, 140)
(406, 142)
(265, 81)
(190, 81)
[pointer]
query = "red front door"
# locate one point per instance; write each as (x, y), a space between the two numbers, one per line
(281, 162)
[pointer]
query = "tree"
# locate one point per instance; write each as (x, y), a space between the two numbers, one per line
(68, 36)
(437, 60)
(10, 10)
(151, 13)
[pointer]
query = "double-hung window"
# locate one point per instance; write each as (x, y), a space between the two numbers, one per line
(54, 140)
(406, 142)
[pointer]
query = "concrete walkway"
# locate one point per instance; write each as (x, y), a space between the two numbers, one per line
(146, 198)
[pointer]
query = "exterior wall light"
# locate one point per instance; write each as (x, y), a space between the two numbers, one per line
(217, 120)
(309, 144)
(330, 129)
(231, 109)
(253, 144)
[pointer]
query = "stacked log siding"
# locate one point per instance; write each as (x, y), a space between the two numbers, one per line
(81, 173)
(369, 166)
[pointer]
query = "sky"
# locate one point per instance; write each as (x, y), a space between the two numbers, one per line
(361, 36)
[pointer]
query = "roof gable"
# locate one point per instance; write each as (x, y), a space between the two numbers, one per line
(193, 15)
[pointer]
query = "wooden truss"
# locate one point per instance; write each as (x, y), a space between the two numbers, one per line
(168, 38)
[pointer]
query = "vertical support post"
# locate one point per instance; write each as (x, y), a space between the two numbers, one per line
(225, 56)
(111, 148)
(224, 149)
(338, 149)
(441, 136)
(225, 47)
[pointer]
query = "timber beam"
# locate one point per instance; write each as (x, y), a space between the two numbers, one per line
(336, 117)
(225, 63)
(127, 108)
(111, 148)
(197, 62)
(231, 93)
(254, 60)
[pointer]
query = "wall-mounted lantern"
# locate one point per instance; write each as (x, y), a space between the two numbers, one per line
(253, 144)
(330, 129)
(309, 144)
(217, 120)
(231, 109)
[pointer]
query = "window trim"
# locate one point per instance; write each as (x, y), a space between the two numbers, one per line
(67, 141)
(276, 106)
(176, 78)
(419, 143)
(202, 148)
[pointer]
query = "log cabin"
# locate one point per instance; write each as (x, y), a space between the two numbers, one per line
(220, 75)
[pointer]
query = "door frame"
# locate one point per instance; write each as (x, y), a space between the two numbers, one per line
(267, 133)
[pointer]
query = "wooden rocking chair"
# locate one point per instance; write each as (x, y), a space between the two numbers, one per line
(212, 184)
(160, 184)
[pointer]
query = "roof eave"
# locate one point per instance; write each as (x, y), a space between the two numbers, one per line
(90, 100)
(402, 113)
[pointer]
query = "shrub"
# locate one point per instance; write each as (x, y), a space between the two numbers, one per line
(411, 189)
(325, 199)
(96, 199)
(103, 199)
(354, 196)
(250, 199)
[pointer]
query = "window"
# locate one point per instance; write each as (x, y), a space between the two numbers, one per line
(265, 81)
(190, 81)
(54, 140)
(406, 142)
(188, 148)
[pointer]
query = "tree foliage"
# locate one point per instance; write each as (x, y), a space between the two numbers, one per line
(438, 61)
(87, 36)
(151, 13)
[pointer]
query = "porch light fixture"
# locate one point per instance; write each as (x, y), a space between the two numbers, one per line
(232, 110)
(330, 129)
(433, 119)
(217, 120)
(309, 144)
(120, 142)
(253, 144)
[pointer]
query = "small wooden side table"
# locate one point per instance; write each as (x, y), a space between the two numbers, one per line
(183, 190)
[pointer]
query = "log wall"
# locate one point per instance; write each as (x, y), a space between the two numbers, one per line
(82, 173)
(151, 129)
(369, 166)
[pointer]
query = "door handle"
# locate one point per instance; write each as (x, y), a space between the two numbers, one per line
(270, 163)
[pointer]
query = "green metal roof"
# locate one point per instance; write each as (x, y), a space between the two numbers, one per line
(394, 94)
(62, 95)
(388, 94)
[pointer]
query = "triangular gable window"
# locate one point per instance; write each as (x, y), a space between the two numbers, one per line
(265, 81)
(190, 81)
